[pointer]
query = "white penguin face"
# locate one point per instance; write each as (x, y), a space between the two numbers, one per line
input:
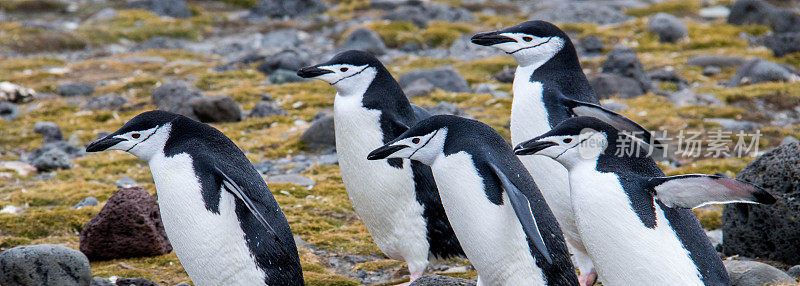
(141, 143)
(528, 49)
(425, 148)
(348, 79)
(569, 150)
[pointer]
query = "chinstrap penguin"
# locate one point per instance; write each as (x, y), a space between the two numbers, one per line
(397, 200)
(616, 189)
(549, 87)
(219, 214)
(498, 213)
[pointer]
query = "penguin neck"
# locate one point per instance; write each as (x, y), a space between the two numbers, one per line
(562, 70)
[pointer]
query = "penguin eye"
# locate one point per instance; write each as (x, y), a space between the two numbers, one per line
(567, 140)
(343, 69)
(415, 140)
(527, 39)
(135, 135)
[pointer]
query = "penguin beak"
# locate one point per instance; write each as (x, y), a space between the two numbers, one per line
(103, 144)
(312, 72)
(532, 146)
(490, 39)
(385, 151)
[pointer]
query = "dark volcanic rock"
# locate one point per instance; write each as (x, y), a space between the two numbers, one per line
(364, 39)
(444, 78)
(282, 8)
(421, 14)
(175, 96)
(624, 61)
(266, 109)
(767, 231)
(781, 20)
(50, 131)
(782, 44)
(608, 84)
(753, 273)
(287, 59)
(281, 76)
(760, 70)
(438, 280)
(321, 134)
(129, 225)
(160, 43)
(220, 108)
(138, 281)
(716, 61)
(420, 87)
(578, 12)
(8, 111)
(505, 76)
(105, 102)
(171, 8)
(444, 107)
(52, 159)
(44, 264)
(591, 44)
(669, 28)
(75, 88)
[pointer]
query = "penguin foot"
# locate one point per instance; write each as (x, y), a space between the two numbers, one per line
(588, 279)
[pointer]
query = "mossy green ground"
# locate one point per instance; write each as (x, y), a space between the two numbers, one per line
(321, 215)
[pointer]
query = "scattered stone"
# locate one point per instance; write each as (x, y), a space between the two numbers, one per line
(591, 44)
(129, 225)
(578, 12)
(266, 109)
(760, 12)
(439, 280)
(715, 236)
(106, 13)
(138, 281)
(664, 75)
(49, 131)
(281, 8)
(100, 281)
(160, 43)
(75, 89)
(711, 71)
(782, 44)
(321, 134)
(292, 179)
(767, 231)
(175, 96)
(364, 39)
(281, 76)
(295, 164)
(45, 176)
(733, 124)
(669, 28)
(789, 140)
(170, 8)
(44, 264)
(290, 60)
(753, 273)
(22, 168)
(714, 12)
(89, 201)
(421, 14)
(500, 94)
(52, 159)
(14, 210)
(485, 88)
(505, 76)
(760, 70)
(444, 107)
(444, 78)
(607, 85)
(419, 87)
(15, 93)
(105, 102)
(686, 97)
(126, 182)
(8, 111)
(61, 145)
(794, 272)
(624, 62)
(220, 108)
(719, 61)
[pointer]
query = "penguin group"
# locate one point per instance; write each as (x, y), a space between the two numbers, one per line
(436, 187)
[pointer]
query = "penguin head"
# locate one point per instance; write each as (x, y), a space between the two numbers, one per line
(531, 42)
(143, 136)
(423, 142)
(348, 72)
(572, 142)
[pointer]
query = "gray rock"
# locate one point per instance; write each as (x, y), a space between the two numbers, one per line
(137, 281)
(290, 60)
(100, 281)
(50, 131)
(391, 4)
(266, 109)
(281, 8)
(364, 39)
(733, 124)
(591, 44)
(500, 94)
(283, 38)
(438, 280)
(75, 89)
(767, 231)
(126, 182)
(170, 8)
(781, 20)
(8, 111)
(105, 102)
(753, 273)
(44, 264)
(45, 176)
(106, 13)
(782, 44)
(281, 76)
(714, 12)
(789, 140)
(419, 87)
(291, 179)
(443, 78)
(669, 28)
(794, 272)
(760, 70)
(624, 62)
(711, 70)
(421, 14)
(444, 107)
(15, 93)
(321, 134)
(505, 76)
(578, 12)
(220, 108)
(89, 201)
(716, 61)
(663, 75)
(160, 43)
(183, 284)
(61, 145)
(52, 159)
(686, 97)
(175, 96)
(608, 84)
(715, 236)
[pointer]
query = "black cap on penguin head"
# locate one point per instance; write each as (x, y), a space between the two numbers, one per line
(538, 28)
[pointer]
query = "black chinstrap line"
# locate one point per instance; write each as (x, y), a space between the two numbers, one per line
(423, 145)
(352, 75)
(539, 44)
(145, 139)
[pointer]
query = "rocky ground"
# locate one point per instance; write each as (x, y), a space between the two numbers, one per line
(72, 70)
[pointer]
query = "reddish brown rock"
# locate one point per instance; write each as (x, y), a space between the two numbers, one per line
(129, 225)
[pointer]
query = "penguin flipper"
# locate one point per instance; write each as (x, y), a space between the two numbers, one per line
(237, 191)
(691, 191)
(419, 112)
(619, 121)
(522, 207)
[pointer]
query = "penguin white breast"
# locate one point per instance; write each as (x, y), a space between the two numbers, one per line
(383, 196)
(624, 251)
(490, 234)
(529, 119)
(211, 247)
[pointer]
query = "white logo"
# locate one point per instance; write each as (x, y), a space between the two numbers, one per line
(592, 143)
